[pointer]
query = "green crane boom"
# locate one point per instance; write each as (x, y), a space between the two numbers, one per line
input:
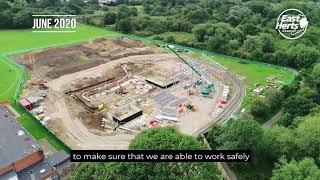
(186, 62)
(207, 88)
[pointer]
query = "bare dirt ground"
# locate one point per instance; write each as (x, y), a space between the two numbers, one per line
(79, 66)
(58, 61)
(66, 110)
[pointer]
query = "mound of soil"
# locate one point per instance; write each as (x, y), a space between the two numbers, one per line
(56, 73)
(129, 43)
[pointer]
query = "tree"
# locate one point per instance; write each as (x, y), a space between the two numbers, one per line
(123, 12)
(198, 16)
(267, 42)
(259, 7)
(237, 14)
(23, 19)
(252, 48)
(199, 32)
(4, 6)
(134, 11)
(293, 170)
(219, 35)
(110, 18)
(286, 119)
(171, 39)
(147, 8)
(315, 15)
(315, 77)
(307, 134)
(291, 89)
(298, 105)
(275, 98)
(259, 108)
(240, 134)
(213, 135)
(171, 139)
(152, 139)
(257, 47)
(281, 58)
(279, 141)
(303, 56)
(251, 26)
(308, 92)
(124, 26)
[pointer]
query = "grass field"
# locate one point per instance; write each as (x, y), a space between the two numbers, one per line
(253, 73)
(22, 40)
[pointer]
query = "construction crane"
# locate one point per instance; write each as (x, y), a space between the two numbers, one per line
(207, 88)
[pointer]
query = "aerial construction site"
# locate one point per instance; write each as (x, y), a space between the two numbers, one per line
(99, 94)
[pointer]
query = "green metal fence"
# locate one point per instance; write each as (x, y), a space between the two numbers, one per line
(149, 41)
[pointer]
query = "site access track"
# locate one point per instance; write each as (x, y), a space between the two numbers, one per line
(232, 108)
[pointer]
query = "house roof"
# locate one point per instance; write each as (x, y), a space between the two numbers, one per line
(19, 150)
(15, 142)
(11, 175)
(36, 168)
(58, 158)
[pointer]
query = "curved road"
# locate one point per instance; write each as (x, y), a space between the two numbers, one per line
(233, 107)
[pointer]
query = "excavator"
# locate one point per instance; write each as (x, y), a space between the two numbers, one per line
(191, 107)
(121, 90)
(208, 86)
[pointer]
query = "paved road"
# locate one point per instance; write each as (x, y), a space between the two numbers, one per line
(273, 120)
(234, 105)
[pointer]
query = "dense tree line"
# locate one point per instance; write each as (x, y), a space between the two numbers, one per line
(305, 169)
(153, 139)
(289, 148)
(17, 14)
(238, 28)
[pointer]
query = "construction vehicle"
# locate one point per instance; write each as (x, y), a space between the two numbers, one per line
(191, 107)
(121, 90)
(102, 107)
(44, 95)
(190, 93)
(208, 87)
(43, 86)
(187, 86)
(198, 82)
(39, 81)
(154, 123)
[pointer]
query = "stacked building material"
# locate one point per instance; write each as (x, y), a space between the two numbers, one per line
(168, 112)
(164, 98)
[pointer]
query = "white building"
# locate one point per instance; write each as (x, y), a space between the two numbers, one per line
(107, 2)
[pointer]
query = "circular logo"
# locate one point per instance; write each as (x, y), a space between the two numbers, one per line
(292, 24)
